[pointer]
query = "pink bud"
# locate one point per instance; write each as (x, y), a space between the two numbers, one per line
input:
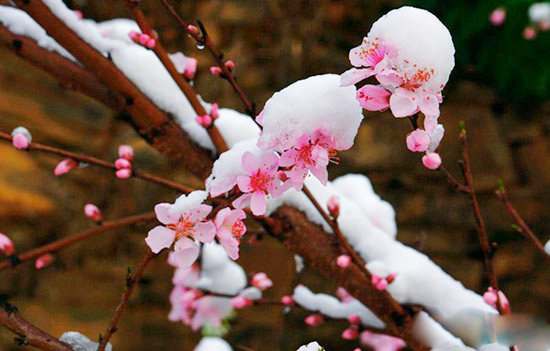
(431, 160)
(126, 151)
(354, 319)
(124, 173)
(357, 349)
(190, 68)
(123, 163)
(382, 285)
(498, 16)
(490, 298)
(193, 29)
(529, 33)
(44, 261)
(288, 301)
(418, 140)
(205, 121)
(350, 334)
(343, 261)
(134, 35)
(78, 14)
(216, 71)
(144, 38)
(230, 65)
(544, 25)
(92, 212)
(150, 44)
(214, 111)
(20, 142)
(65, 166)
(6, 245)
(282, 175)
(333, 206)
(343, 295)
(240, 302)
(261, 281)
(314, 320)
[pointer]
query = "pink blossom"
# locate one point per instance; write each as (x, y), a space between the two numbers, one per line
(498, 16)
(379, 282)
(431, 160)
(490, 298)
(310, 154)
(126, 152)
(182, 300)
(260, 182)
(92, 212)
(204, 121)
(216, 71)
(214, 111)
(314, 320)
(373, 97)
(373, 56)
(333, 206)
(182, 226)
(354, 319)
(529, 33)
(184, 276)
(418, 140)
(65, 166)
(6, 245)
(381, 342)
(343, 261)
(20, 142)
(288, 300)
(230, 65)
(261, 281)
(230, 228)
(44, 261)
(405, 102)
(344, 296)
(240, 302)
(350, 334)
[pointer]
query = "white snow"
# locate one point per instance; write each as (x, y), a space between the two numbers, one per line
(22, 130)
(81, 342)
(185, 203)
(213, 343)
(539, 12)
(312, 346)
(20, 23)
(420, 39)
(219, 273)
(117, 29)
(493, 347)
(235, 126)
(547, 247)
(306, 105)
(299, 263)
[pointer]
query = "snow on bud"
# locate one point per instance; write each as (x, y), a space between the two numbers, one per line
(498, 16)
(204, 121)
(21, 138)
(190, 68)
(314, 320)
(490, 298)
(261, 281)
(529, 33)
(44, 261)
(431, 160)
(92, 212)
(230, 65)
(333, 206)
(65, 166)
(6, 245)
(350, 334)
(288, 300)
(418, 140)
(216, 71)
(240, 302)
(354, 319)
(126, 152)
(343, 261)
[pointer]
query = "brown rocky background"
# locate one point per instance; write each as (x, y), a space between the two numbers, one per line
(273, 43)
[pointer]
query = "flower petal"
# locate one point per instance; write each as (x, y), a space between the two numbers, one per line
(250, 162)
(258, 204)
(244, 184)
(402, 106)
(160, 238)
(355, 75)
(186, 253)
(204, 231)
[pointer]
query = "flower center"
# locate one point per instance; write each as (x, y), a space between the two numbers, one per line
(238, 228)
(261, 182)
(183, 228)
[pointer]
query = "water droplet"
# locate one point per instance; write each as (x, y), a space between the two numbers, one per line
(200, 46)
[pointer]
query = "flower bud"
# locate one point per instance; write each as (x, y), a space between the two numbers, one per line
(216, 71)
(214, 111)
(65, 166)
(92, 212)
(126, 152)
(123, 163)
(124, 173)
(21, 138)
(314, 320)
(431, 160)
(261, 281)
(6, 245)
(151, 43)
(230, 65)
(144, 38)
(350, 334)
(134, 35)
(354, 319)
(498, 16)
(288, 301)
(190, 68)
(343, 261)
(529, 33)
(193, 29)
(240, 302)
(44, 261)
(418, 140)
(333, 206)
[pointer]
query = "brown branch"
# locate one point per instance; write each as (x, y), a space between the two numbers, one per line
(73, 239)
(187, 90)
(480, 223)
(205, 40)
(523, 228)
(149, 121)
(453, 182)
(131, 281)
(29, 334)
(100, 163)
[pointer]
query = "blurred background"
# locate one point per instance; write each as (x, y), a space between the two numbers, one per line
(500, 88)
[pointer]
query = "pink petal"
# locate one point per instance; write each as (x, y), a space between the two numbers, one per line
(269, 161)
(320, 173)
(200, 212)
(429, 105)
(355, 56)
(204, 232)
(221, 216)
(229, 243)
(186, 253)
(418, 140)
(164, 216)
(355, 75)
(241, 201)
(288, 158)
(373, 98)
(160, 238)
(402, 106)
(389, 77)
(250, 162)
(258, 204)
(244, 184)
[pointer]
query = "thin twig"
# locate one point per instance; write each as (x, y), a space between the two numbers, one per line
(523, 228)
(187, 90)
(205, 41)
(73, 239)
(131, 281)
(101, 163)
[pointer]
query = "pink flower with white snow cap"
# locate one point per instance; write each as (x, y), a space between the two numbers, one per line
(310, 154)
(184, 222)
(261, 281)
(187, 66)
(21, 138)
(6, 245)
(381, 342)
(230, 228)
(261, 181)
(373, 97)
(373, 55)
